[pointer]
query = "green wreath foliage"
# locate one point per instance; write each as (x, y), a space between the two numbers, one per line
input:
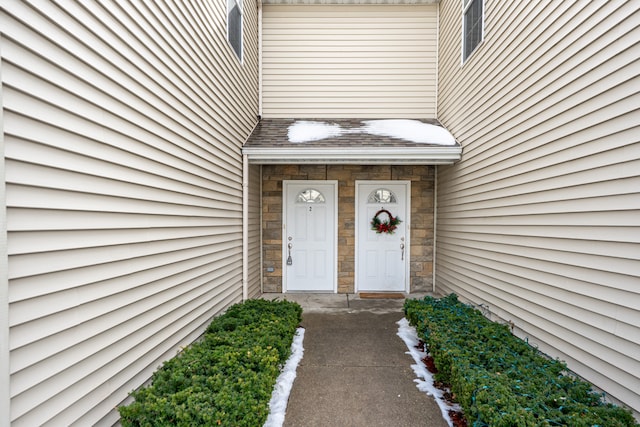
(387, 226)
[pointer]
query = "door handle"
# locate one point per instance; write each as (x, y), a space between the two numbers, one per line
(402, 252)
(289, 259)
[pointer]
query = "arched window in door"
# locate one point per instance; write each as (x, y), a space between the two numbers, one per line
(382, 195)
(310, 195)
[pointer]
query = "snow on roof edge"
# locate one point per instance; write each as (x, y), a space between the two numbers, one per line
(415, 131)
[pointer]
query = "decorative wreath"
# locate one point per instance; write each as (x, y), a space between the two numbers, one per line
(387, 226)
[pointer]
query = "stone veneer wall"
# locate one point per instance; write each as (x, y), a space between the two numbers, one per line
(422, 183)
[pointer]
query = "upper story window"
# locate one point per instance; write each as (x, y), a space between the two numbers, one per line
(472, 26)
(234, 26)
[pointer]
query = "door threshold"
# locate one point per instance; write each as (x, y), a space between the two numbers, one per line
(309, 292)
(381, 295)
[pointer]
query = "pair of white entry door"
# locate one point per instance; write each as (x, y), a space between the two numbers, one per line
(310, 241)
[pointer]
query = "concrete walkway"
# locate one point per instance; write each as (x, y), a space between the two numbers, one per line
(355, 371)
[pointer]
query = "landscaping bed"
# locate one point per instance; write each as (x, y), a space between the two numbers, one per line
(227, 377)
(500, 380)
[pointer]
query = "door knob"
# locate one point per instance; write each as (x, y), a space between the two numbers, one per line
(289, 259)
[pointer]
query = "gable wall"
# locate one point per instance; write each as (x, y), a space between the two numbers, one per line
(540, 221)
(123, 124)
(342, 61)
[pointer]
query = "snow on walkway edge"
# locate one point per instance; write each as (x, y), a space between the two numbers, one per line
(425, 379)
(282, 389)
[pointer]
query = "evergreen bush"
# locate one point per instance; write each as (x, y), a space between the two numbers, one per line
(227, 377)
(500, 380)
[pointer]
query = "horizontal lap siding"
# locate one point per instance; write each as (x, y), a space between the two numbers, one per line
(349, 61)
(540, 221)
(123, 126)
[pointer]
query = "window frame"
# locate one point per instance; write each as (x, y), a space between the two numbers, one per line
(466, 6)
(237, 50)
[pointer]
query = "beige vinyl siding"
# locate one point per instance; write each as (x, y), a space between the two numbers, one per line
(349, 61)
(255, 239)
(540, 221)
(123, 125)
(4, 280)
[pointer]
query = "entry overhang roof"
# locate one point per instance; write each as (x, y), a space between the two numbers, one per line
(351, 141)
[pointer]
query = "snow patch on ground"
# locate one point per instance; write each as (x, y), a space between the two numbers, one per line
(409, 130)
(425, 379)
(284, 383)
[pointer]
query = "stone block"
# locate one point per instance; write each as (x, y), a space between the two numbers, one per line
(272, 234)
(271, 186)
(272, 216)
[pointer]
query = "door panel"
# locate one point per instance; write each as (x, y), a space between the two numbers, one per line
(309, 227)
(382, 257)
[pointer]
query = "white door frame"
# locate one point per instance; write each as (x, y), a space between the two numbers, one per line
(285, 201)
(407, 224)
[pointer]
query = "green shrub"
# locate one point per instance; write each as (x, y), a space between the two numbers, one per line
(498, 379)
(227, 377)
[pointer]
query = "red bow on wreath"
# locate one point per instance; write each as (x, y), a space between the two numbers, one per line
(387, 226)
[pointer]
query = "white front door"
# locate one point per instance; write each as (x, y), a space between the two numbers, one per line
(309, 236)
(382, 238)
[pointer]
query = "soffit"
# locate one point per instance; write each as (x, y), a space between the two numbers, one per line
(348, 141)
